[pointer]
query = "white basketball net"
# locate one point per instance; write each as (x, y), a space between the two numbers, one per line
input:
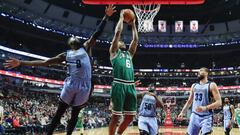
(146, 15)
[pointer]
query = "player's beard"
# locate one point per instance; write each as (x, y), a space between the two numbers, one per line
(75, 47)
(226, 102)
(201, 77)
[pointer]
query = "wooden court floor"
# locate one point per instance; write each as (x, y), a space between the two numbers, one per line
(167, 131)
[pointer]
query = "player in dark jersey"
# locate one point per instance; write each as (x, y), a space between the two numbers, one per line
(77, 87)
(200, 96)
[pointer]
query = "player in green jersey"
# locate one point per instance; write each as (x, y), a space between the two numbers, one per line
(123, 93)
(237, 115)
(79, 124)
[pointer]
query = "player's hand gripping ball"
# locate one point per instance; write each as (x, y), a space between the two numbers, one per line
(128, 15)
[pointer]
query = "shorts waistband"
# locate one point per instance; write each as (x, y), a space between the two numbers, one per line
(203, 115)
(148, 116)
(79, 78)
(126, 82)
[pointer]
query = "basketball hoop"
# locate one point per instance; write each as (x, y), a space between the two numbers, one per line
(169, 101)
(146, 15)
(168, 104)
(145, 10)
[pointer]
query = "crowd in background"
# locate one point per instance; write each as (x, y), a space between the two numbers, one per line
(31, 112)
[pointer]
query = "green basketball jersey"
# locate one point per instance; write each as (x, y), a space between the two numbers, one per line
(80, 115)
(237, 114)
(123, 66)
(80, 120)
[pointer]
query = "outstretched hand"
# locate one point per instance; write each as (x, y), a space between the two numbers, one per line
(121, 14)
(12, 63)
(110, 10)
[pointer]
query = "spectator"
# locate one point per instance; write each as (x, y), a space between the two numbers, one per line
(2, 130)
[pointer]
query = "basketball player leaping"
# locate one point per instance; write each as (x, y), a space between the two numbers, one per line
(200, 95)
(228, 116)
(77, 87)
(123, 93)
(147, 121)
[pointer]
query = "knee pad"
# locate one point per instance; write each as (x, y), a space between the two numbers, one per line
(143, 132)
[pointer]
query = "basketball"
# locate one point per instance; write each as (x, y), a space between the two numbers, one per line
(128, 15)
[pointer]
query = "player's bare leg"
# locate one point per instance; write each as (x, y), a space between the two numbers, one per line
(124, 124)
(113, 124)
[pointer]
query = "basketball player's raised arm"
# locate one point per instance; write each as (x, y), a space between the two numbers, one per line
(188, 103)
(109, 11)
(134, 43)
(118, 30)
(216, 96)
(159, 101)
(13, 62)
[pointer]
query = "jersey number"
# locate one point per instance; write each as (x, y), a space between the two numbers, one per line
(198, 96)
(147, 106)
(78, 62)
(128, 64)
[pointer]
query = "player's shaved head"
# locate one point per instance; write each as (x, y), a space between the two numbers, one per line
(74, 43)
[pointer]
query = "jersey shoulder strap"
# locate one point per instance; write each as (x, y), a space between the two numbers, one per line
(144, 94)
(129, 54)
(67, 52)
(116, 55)
(194, 86)
(209, 89)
